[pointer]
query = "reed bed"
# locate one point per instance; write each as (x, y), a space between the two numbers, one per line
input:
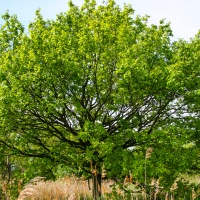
(72, 188)
(68, 188)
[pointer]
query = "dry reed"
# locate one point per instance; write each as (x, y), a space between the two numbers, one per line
(72, 188)
(66, 188)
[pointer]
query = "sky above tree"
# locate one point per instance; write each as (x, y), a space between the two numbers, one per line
(183, 15)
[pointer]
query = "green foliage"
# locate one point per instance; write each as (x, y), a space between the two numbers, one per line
(99, 86)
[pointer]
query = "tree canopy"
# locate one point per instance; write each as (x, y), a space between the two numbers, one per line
(98, 86)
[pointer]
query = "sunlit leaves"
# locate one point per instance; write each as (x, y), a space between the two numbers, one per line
(95, 84)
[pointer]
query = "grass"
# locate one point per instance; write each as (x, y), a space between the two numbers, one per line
(72, 188)
(67, 188)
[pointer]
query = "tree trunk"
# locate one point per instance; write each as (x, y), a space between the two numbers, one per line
(96, 185)
(96, 180)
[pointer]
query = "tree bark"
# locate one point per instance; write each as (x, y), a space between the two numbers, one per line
(96, 180)
(96, 185)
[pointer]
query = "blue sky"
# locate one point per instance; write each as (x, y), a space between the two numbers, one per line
(184, 15)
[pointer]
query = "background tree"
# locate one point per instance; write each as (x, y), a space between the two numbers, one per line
(95, 86)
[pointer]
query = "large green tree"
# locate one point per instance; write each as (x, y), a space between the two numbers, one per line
(95, 86)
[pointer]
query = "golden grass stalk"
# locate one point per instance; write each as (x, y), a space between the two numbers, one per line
(173, 187)
(147, 156)
(167, 196)
(148, 152)
(194, 195)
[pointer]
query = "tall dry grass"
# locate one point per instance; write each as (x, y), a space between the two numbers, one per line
(68, 188)
(72, 188)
